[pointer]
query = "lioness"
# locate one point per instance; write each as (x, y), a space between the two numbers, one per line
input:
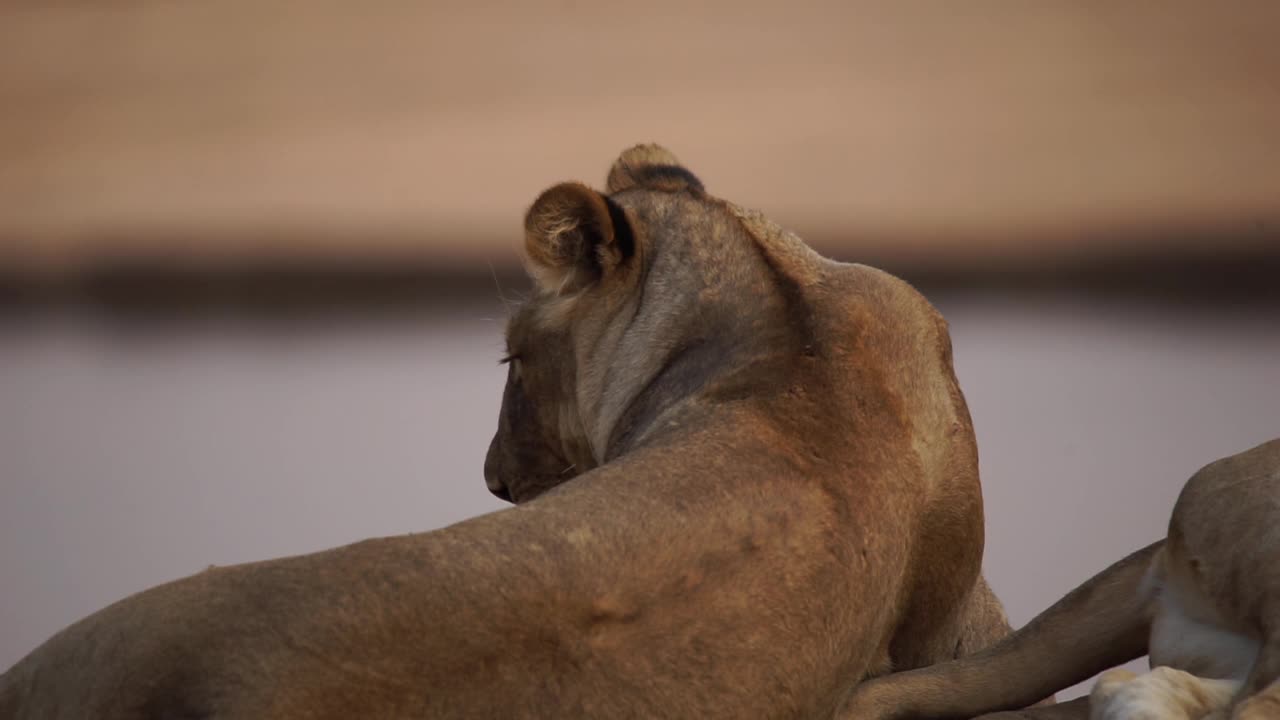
(1204, 603)
(746, 480)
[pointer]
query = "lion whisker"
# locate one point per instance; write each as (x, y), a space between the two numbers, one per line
(498, 285)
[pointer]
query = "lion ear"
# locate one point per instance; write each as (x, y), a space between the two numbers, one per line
(573, 237)
(652, 167)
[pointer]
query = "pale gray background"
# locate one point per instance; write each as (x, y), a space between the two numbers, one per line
(134, 454)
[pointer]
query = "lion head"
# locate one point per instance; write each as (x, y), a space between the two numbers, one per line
(649, 298)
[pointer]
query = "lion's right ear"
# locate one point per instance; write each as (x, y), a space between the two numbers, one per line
(573, 237)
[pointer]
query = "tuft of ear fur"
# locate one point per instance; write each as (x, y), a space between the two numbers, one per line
(652, 167)
(573, 237)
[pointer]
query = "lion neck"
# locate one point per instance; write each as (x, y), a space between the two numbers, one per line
(693, 339)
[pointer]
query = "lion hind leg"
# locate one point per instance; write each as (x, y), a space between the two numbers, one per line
(1264, 705)
(1259, 697)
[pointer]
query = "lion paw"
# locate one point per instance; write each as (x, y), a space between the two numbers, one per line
(1165, 693)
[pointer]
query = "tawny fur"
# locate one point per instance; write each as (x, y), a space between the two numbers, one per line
(746, 480)
(1204, 603)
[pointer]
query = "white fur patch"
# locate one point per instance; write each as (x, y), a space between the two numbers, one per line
(1180, 641)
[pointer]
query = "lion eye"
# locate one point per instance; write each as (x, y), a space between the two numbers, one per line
(514, 362)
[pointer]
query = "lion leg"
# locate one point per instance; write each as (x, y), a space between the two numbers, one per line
(985, 623)
(1259, 696)
(1077, 709)
(1264, 705)
(1102, 623)
(1165, 693)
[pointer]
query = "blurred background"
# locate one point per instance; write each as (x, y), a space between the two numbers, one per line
(251, 252)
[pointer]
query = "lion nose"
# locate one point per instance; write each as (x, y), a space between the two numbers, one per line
(491, 479)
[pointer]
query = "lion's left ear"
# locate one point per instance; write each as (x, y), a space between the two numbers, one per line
(573, 237)
(652, 167)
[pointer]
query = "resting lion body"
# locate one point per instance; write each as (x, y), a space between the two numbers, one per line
(1204, 604)
(745, 479)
